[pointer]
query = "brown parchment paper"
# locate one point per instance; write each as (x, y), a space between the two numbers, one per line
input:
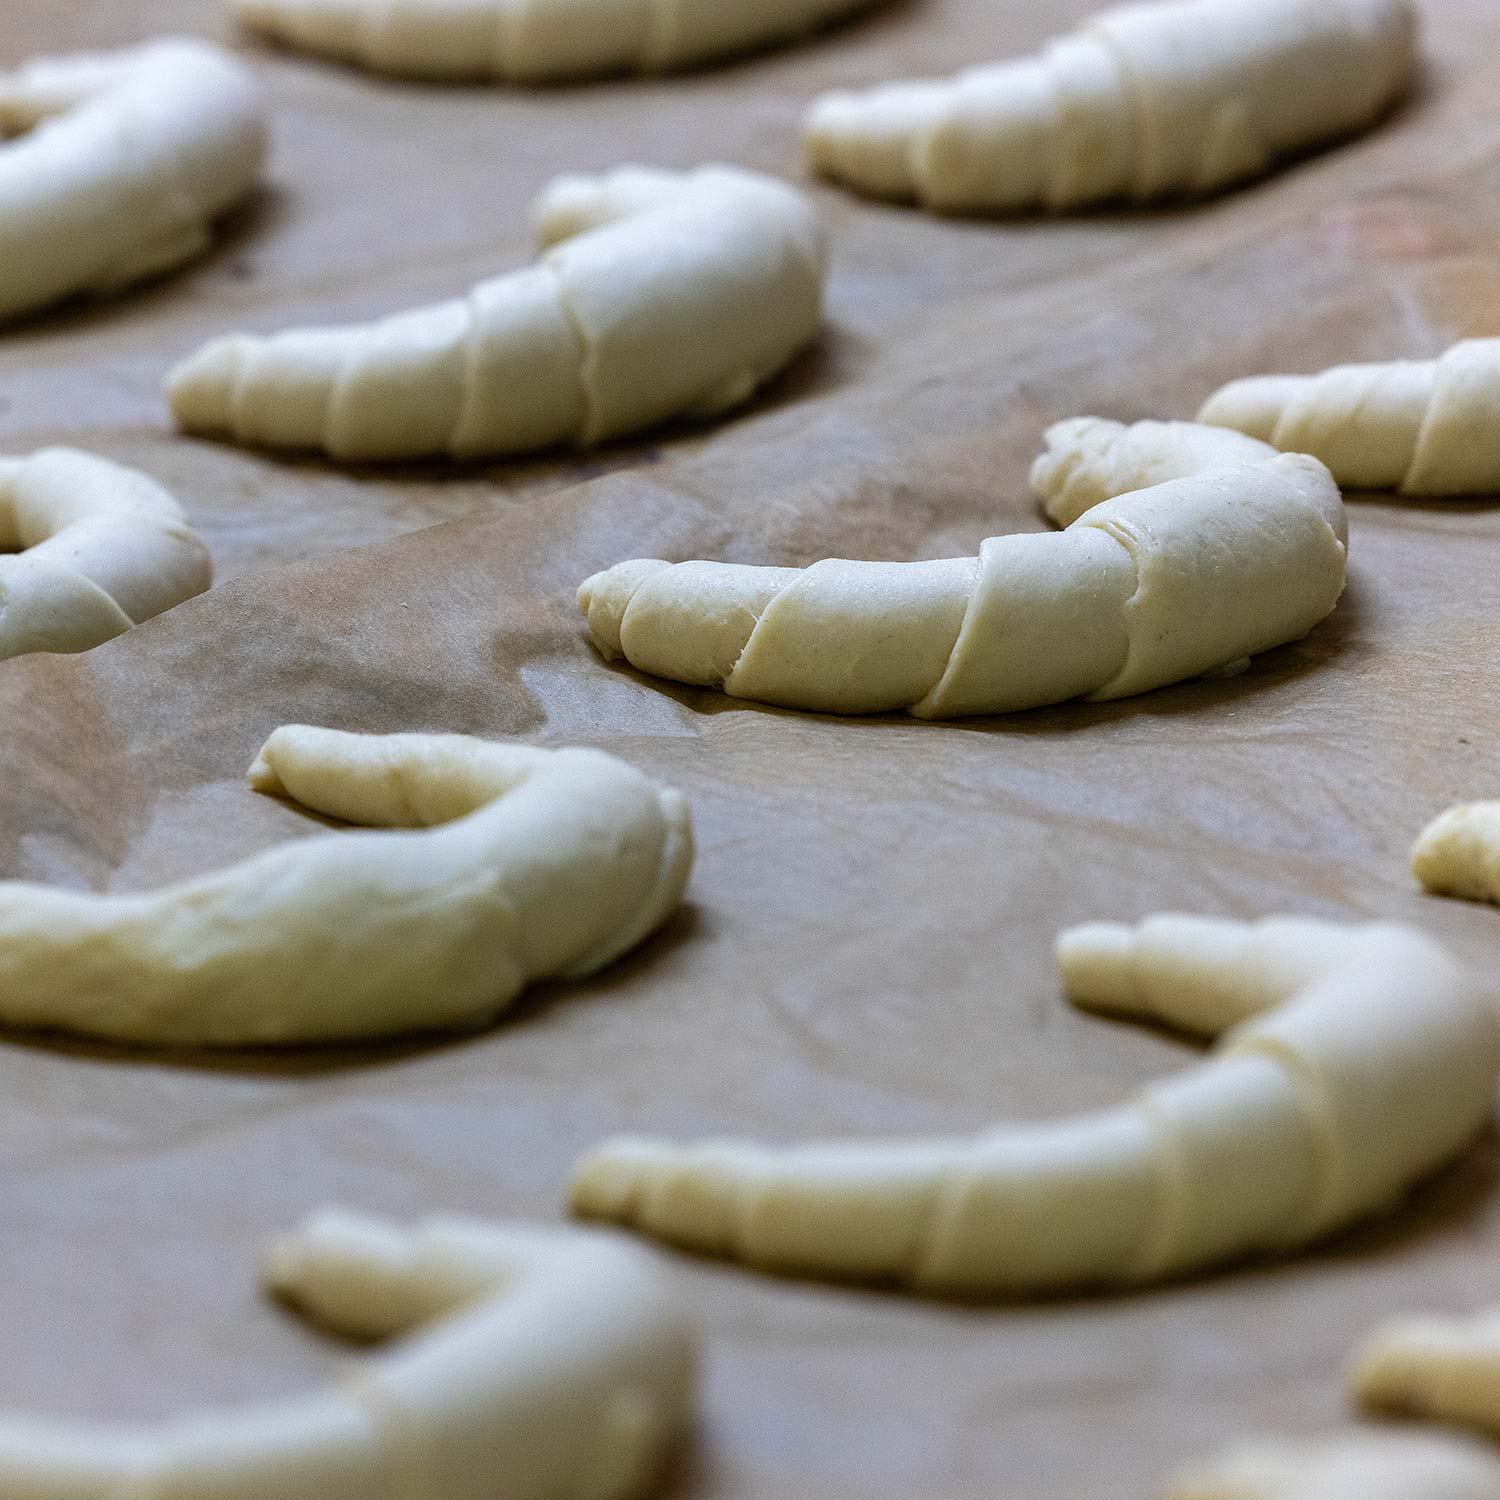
(866, 946)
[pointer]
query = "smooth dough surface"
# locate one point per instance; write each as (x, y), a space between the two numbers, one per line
(497, 865)
(121, 164)
(1423, 427)
(1351, 1062)
(535, 41)
(1142, 101)
(660, 294)
(551, 1362)
(1458, 853)
(1351, 1466)
(1148, 588)
(93, 548)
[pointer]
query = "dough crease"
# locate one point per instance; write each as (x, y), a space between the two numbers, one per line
(1351, 1062)
(554, 1358)
(1230, 550)
(1142, 101)
(657, 295)
(496, 865)
(1421, 427)
(100, 549)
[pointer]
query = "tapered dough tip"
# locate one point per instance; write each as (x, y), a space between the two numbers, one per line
(263, 773)
(1097, 964)
(604, 597)
(1253, 406)
(201, 389)
(867, 139)
(607, 1181)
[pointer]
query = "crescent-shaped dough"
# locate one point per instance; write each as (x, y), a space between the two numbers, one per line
(1142, 590)
(1423, 427)
(1445, 1369)
(1352, 1466)
(95, 548)
(128, 159)
(663, 294)
(1352, 1062)
(546, 863)
(535, 41)
(1458, 853)
(552, 1364)
(1143, 100)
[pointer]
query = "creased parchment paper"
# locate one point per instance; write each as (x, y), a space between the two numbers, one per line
(867, 944)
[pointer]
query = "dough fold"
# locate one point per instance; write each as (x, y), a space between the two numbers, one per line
(1142, 101)
(556, 1359)
(1351, 1062)
(535, 41)
(126, 161)
(499, 865)
(1225, 559)
(658, 294)
(94, 549)
(1423, 427)
(1351, 1466)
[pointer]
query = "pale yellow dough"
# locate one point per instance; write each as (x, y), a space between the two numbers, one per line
(529, 864)
(535, 41)
(1351, 1062)
(1159, 584)
(1458, 853)
(97, 548)
(1142, 101)
(1447, 1369)
(126, 160)
(1351, 1466)
(1423, 427)
(545, 1364)
(663, 294)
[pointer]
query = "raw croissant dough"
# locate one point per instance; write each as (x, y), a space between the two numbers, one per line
(1178, 96)
(1458, 853)
(1143, 590)
(664, 294)
(552, 1364)
(1363, 1466)
(549, 863)
(533, 41)
(128, 159)
(1424, 427)
(1352, 1062)
(1446, 1369)
(99, 549)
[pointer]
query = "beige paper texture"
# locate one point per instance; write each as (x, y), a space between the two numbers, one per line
(866, 947)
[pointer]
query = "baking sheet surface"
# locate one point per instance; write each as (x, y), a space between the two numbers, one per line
(867, 943)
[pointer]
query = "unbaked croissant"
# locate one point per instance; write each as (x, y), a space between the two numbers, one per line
(1352, 1466)
(535, 41)
(538, 1363)
(663, 294)
(496, 865)
(97, 548)
(127, 160)
(1143, 100)
(1142, 590)
(1352, 1061)
(1424, 427)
